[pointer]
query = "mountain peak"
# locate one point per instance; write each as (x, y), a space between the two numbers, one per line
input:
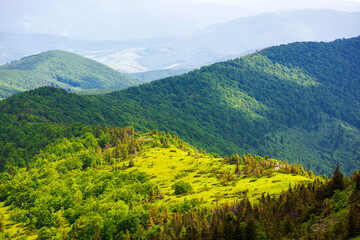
(61, 69)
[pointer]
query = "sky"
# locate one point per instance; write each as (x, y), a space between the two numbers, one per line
(137, 19)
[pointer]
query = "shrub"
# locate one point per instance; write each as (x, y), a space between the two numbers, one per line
(182, 187)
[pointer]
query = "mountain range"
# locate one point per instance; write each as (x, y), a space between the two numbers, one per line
(113, 165)
(212, 44)
(297, 102)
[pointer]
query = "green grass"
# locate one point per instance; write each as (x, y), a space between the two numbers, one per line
(167, 166)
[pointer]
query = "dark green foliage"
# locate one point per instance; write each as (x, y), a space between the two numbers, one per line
(298, 102)
(336, 183)
(337, 180)
(354, 213)
(182, 187)
(60, 69)
(25, 139)
(357, 180)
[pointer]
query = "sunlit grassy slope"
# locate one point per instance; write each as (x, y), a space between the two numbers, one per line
(166, 166)
(82, 176)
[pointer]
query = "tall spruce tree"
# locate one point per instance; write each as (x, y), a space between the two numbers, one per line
(337, 180)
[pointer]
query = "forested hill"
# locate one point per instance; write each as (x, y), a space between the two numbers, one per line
(60, 69)
(118, 183)
(298, 102)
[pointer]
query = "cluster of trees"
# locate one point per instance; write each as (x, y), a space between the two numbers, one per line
(252, 165)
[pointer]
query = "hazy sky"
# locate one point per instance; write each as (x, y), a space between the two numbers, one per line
(130, 19)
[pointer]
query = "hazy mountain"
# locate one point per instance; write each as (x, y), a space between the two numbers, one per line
(61, 69)
(209, 45)
(156, 74)
(139, 19)
(111, 19)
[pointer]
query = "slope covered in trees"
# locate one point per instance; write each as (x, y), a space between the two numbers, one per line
(296, 102)
(105, 183)
(61, 69)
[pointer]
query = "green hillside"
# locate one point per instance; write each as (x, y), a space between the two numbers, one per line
(297, 102)
(118, 183)
(61, 69)
(64, 176)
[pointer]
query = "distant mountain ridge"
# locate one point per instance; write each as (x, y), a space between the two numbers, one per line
(212, 44)
(61, 69)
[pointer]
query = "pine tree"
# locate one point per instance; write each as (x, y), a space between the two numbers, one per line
(108, 157)
(337, 180)
(354, 213)
(250, 230)
(230, 225)
(357, 180)
(11, 171)
(99, 131)
(237, 168)
(28, 167)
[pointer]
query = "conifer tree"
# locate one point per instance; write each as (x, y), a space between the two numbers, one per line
(28, 167)
(237, 168)
(98, 131)
(354, 213)
(250, 230)
(337, 180)
(357, 180)
(11, 171)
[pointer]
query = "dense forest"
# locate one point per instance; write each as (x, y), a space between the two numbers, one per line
(60, 69)
(297, 102)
